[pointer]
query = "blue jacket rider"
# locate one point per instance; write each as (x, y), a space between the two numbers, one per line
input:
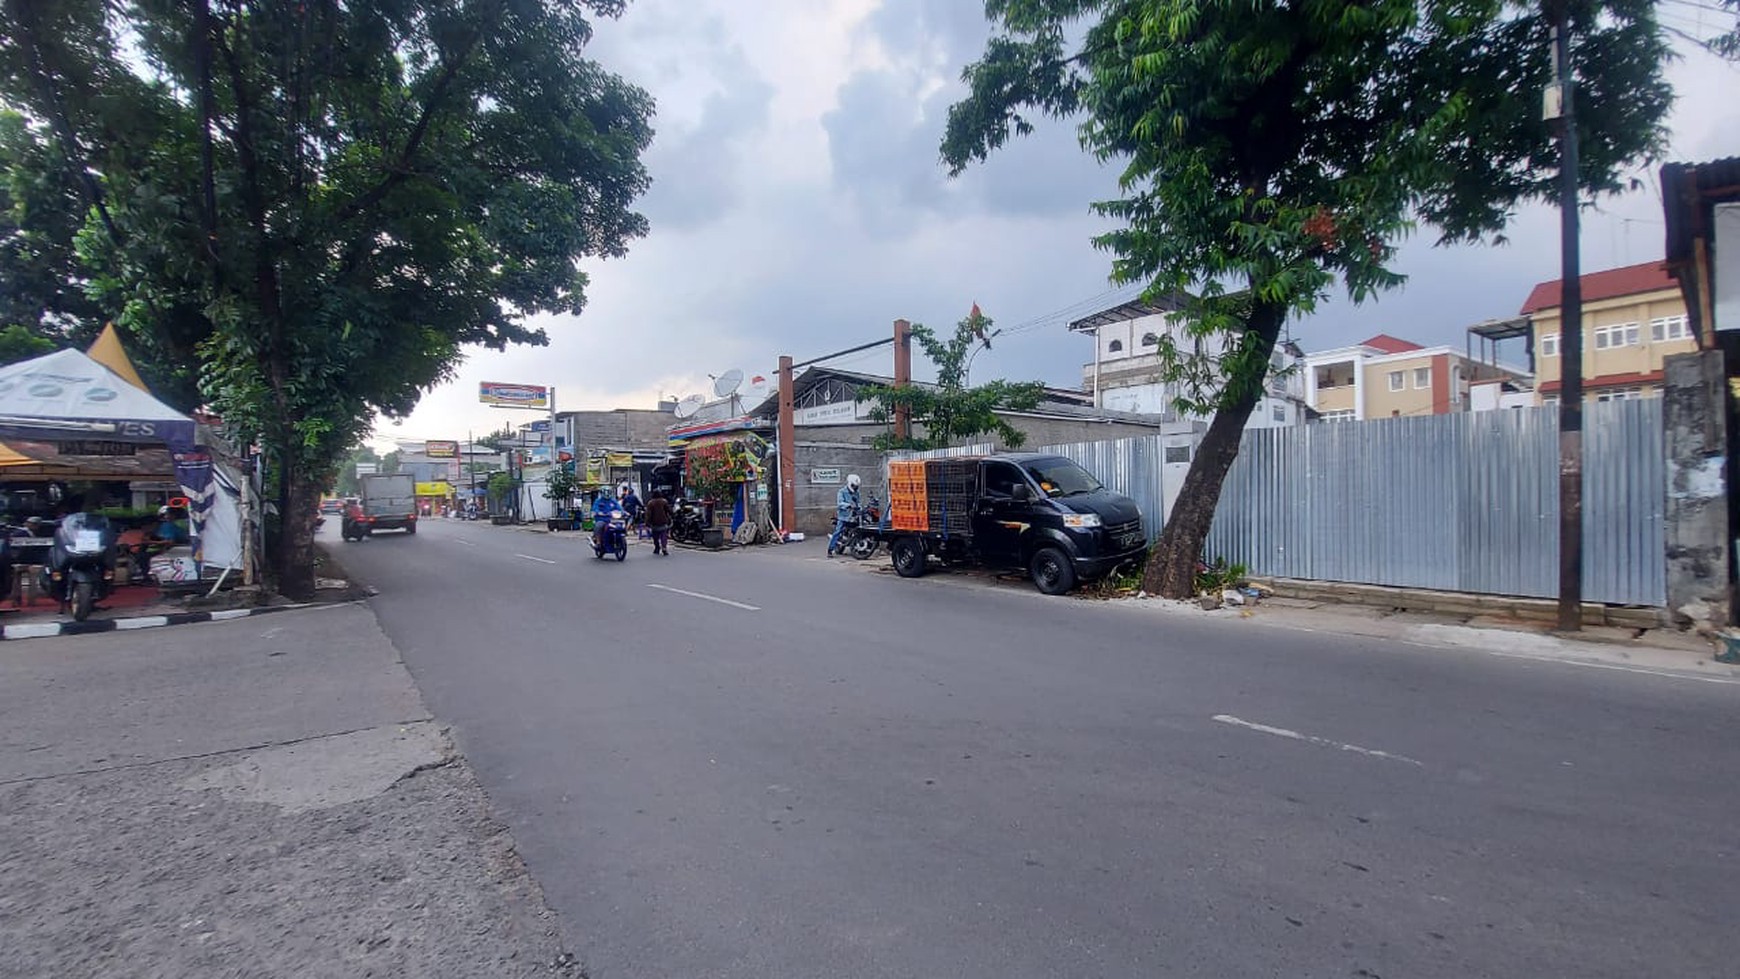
(602, 509)
(845, 510)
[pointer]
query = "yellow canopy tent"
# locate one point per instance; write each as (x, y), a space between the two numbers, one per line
(107, 350)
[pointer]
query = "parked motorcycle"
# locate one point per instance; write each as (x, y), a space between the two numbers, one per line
(611, 537)
(861, 538)
(687, 522)
(81, 564)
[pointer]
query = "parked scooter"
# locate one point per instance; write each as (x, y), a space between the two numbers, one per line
(612, 537)
(81, 564)
(860, 539)
(687, 522)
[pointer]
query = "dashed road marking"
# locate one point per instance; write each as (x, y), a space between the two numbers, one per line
(707, 598)
(1281, 732)
(540, 560)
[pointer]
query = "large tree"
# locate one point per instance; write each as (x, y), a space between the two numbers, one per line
(320, 203)
(1271, 150)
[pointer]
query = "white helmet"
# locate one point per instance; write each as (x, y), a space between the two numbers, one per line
(853, 480)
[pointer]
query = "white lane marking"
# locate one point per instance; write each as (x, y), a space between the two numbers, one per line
(465, 542)
(1281, 732)
(707, 598)
(1590, 664)
(540, 560)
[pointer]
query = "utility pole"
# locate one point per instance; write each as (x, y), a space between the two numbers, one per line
(902, 377)
(1559, 107)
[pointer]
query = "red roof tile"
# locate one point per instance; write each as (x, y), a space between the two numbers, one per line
(1608, 284)
(1390, 345)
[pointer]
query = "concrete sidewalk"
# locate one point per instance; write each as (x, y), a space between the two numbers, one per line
(261, 797)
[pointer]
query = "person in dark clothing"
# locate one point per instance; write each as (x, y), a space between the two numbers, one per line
(658, 521)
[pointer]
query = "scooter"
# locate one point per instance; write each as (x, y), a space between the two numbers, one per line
(612, 537)
(81, 564)
(687, 522)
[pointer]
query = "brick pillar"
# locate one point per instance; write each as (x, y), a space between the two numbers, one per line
(1696, 526)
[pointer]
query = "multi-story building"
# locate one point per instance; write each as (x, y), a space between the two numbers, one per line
(1387, 377)
(1128, 372)
(1632, 318)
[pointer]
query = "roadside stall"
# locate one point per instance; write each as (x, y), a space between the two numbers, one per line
(68, 420)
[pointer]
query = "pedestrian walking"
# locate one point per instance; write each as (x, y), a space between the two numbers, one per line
(658, 521)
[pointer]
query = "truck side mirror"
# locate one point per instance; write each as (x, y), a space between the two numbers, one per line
(1022, 493)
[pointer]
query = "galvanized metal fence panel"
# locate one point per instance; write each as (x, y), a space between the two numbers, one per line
(1463, 502)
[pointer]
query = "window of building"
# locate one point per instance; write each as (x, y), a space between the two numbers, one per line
(1115, 346)
(1615, 336)
(1177, 453)
(1422, 378)
(1456, 384)
(1669, 328)
(1150, 340)
(1549, 401)
(1278, 413)
(1549, 345)
(1619, 394)
(1398, 380)
(1339, 415)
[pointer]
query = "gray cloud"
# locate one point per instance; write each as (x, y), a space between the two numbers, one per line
(699, 173)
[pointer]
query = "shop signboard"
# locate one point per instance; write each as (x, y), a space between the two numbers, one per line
(367, 468)
(824, 476)
(513, 395)
(433, 489)
(441, 450)
(541, 426)
(838, 413)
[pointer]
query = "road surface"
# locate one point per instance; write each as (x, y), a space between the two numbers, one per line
(766, 764)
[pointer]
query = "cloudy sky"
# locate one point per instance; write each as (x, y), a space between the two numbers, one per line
(798, 207)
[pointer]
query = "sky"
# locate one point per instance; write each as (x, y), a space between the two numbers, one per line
(799, 207)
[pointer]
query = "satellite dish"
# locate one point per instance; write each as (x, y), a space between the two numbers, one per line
(727, 383)
(687, 407)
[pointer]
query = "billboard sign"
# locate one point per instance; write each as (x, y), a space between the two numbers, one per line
(541, 426)
(441, 450)
(513, 395)
(367, 468)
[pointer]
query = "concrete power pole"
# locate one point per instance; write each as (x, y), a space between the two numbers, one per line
(1559, 106)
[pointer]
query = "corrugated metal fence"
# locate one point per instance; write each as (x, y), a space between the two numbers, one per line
(1463, 502)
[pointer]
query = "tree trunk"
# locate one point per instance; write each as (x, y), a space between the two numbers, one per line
(1171, 570)
(296, 534)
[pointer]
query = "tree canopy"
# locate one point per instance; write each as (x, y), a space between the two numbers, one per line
(951, 412)
(1270, 150)
(313, 208)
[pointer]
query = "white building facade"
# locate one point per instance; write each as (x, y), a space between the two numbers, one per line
(1127, 373)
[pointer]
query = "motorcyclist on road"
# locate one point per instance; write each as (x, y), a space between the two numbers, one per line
(604, 506)
(846, 505)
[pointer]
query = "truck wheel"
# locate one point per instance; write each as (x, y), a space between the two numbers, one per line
(909, 557)
(1051, 570)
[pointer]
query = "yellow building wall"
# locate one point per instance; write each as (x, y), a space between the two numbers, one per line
(1644, 358)
(1381, 402)
(1334, 399)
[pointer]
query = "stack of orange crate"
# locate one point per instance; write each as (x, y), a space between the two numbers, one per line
(907, 504)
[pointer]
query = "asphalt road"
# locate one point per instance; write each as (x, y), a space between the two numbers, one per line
(765, 764)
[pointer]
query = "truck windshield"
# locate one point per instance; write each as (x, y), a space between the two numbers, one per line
(1060, 477)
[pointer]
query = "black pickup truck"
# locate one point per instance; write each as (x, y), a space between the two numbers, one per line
(1042, 513)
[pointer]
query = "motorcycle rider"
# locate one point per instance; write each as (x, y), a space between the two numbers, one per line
(846, 505)
(604, 506)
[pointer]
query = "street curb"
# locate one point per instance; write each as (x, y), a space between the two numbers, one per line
(46, 630)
